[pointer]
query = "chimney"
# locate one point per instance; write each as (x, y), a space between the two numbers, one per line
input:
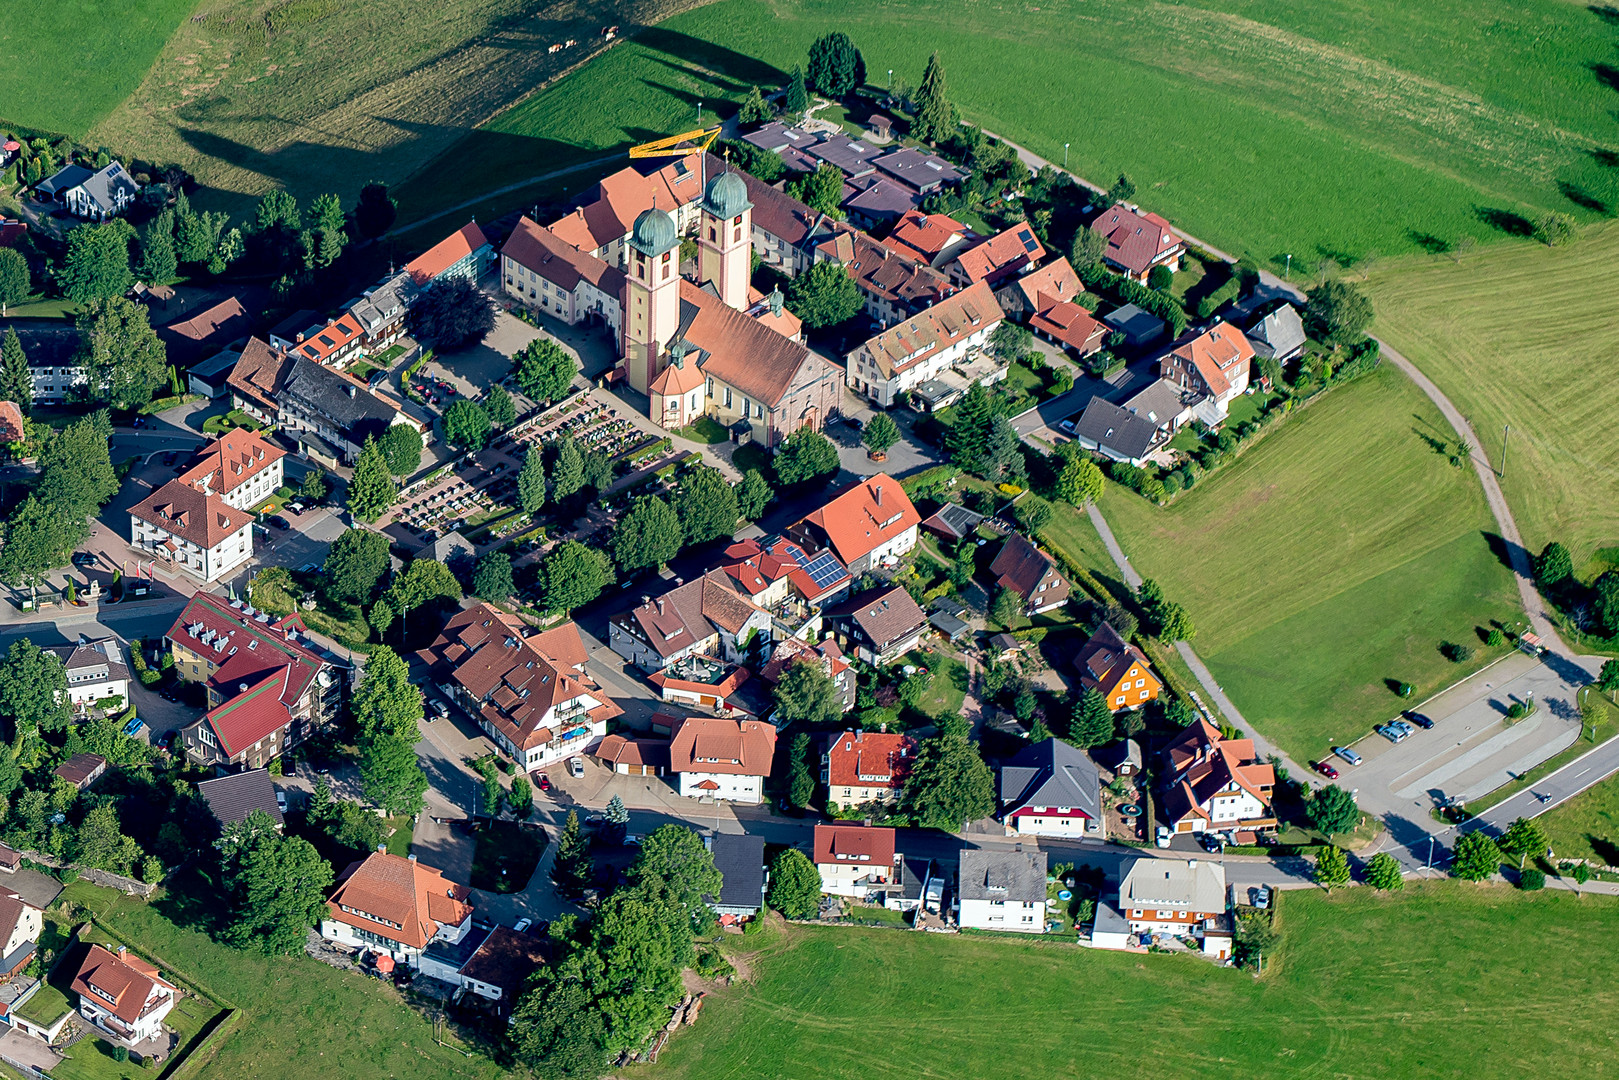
(877, 493)
(412, 858)
(660, 605)
(381, 848)
(351, 391)
(122, 951)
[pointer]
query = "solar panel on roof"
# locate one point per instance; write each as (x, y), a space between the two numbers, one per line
(1029, 243)
(824, 569)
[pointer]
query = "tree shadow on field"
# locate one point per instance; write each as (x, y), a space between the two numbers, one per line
(1437, 445)
(1603, 848)
(1428, 242)
(714, 57)
(1505, 550)
(1583, 199)
(1608, 159)
(1507, 221)
(1606, 13)
(722, 80)
(1606, 74)
(1395, 686)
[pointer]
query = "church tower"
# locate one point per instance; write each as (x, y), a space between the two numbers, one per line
(725, 239)
(652, 295)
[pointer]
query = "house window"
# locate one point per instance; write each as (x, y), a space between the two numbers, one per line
(1120, 700)
(1140, 683)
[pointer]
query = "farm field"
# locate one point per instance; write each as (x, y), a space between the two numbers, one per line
(1510, 333)
(1338, 553)
(1437, 981)
(302, 1018)
(65, 64)
(1323, 130)
(256, 94)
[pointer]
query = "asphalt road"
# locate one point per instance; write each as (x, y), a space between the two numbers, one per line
(1556, 789)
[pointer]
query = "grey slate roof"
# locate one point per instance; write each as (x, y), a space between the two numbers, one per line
(351, 408)
(1115, 428)
(385, 303)
(1051, 773)
(99, 660)
(1013, 876)
(1279, 334)
(1161, 402)
(102, 186)
(1137, 325)
(740, 859)
(233, 797)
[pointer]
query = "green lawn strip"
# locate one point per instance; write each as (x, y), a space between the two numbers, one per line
(302, 1018)
(1336, 554)
(1587, 826)
(1414, 984)
(948, 687)
(1493, 332)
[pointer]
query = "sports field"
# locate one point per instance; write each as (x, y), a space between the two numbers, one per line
(1444, 980)
(1335, 128)
(1338, 553)
(1523, 334)
(65, 64)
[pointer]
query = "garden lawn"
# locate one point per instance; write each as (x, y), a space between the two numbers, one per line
(1338, 553)
(1442, 980)
(1514, 335)
(1331, 129)
(302, 1018)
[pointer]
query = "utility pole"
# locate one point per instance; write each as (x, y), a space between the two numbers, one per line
(1506, 429)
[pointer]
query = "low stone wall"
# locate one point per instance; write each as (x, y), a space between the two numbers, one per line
(106, 879)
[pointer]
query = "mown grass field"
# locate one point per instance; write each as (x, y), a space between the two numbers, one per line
(1338, 553)
(65, 64)
(1523, 334)
(1442, 980)
(324, 95)
(1587, 826)
(1329, 129)
(302, 1018)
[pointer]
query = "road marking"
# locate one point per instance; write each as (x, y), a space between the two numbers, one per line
(1581, 773)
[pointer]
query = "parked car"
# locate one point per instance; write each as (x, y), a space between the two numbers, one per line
(545, 782)
(1418, 719)
(1393, 734)
(281, 801)
(1404, 728)
(1068, 426)
(631, 840)
(84, 558)
(1347, 754)
(1262, 897)
(1324, 767)
(171, 457)
(1211, 842)
(134, 725)
(296, 507)
(523, 925)
(576, 768)
(1164, 836)
(280, 522)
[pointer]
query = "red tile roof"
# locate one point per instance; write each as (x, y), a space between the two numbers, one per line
(399, 899)
(337, 334)
(709, 744)
(182, 510)
(1056, 280)
(924, 236)
(557, 261)
(1002, 255)
(1220, 354)
(1136, 241)
(446, 253)
(122, 983)
(756, 565)
(885, 272)
(854, 843)
(11, 422)
(260, 373)
(231, 460)
(1068, 323)
(869, 759)
(752, 358)
(617, 750)
(941, 326)
(864, 516)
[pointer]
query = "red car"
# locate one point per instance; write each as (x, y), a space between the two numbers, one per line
(545, 782)
(1325, 769)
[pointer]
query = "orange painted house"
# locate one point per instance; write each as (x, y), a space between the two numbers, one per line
(1118, 669)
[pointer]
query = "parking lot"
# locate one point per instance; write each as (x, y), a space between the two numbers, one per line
(1472, 748)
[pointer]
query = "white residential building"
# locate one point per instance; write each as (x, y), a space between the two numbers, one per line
(923, 347)
(123, 995)
(721, 759)
(1003, 890)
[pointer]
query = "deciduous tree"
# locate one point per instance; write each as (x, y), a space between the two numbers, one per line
(15, 282)
(558, 1032)
(453, 314)
(676, 857)
(650, 534)
(544, 370)
(1331, 868)
(706, 504)
(949, 784)
(795, 885)
(158, 264)
(371, 490)
(33, 690)
(1475, 857)
(1338, 313)
(123, 359)
(835, 66)
(277, 885)
(753, 495)
(1085, 254)
(492, 577)
(500, 407)
(376, 210)
(822, 191)
(805, 694)
(1332, 810)
(423, 580)
(824, 295)
(354, 564)
(805, 456)
(95, 265)
(568, 471)
(1553, 565)
(880, 433)
(466, 425)
(1524, 838)
(1383, 872)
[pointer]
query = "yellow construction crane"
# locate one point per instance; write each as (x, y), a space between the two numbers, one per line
(701, 139)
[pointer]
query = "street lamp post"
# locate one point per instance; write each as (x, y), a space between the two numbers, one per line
(699, 112)
(1288, 273)
(1065, 157)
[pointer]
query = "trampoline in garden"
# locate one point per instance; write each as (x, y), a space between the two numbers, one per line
(1130, 810)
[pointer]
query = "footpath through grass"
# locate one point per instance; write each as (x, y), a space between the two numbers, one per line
(1337, 554)
(301, 1018)
(1443, 980)
(1513, 335)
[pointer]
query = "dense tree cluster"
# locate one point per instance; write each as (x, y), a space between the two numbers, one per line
(76, 479)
